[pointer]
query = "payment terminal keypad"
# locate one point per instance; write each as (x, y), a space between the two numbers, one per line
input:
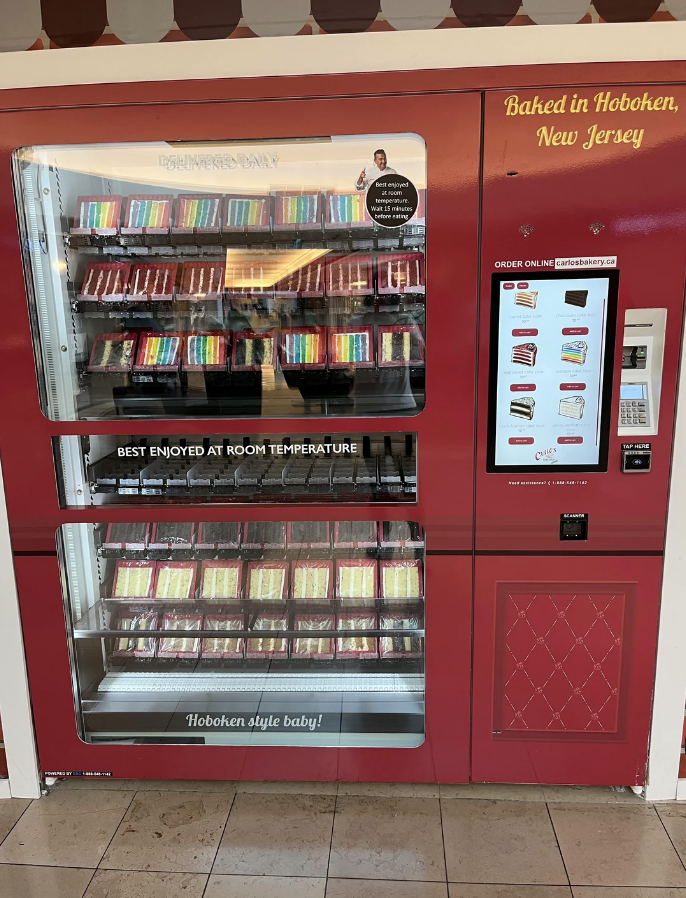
(634, 413)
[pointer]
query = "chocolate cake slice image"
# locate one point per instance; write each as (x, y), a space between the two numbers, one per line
(522, 407)
(576, 298)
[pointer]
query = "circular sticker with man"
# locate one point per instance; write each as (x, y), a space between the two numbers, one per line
(392, 200)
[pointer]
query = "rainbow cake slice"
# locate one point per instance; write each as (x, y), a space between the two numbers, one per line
(574, 352)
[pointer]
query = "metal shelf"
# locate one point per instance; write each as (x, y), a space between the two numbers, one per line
(390, 683)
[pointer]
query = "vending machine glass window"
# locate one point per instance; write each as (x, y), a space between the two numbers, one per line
(254, 633)
(551, 365)
(227, 280)
(315, 468)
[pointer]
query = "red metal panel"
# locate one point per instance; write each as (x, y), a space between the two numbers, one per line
(564, 658)
(352, 84)
(637, 195)
(558, 657)
(443, 757)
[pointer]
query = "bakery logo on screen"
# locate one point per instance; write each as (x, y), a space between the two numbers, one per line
(196, 161)
(548, 456)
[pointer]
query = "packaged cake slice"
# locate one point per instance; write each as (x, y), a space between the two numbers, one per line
(248, 278)
(172, 535)
(178, 645)
(402, 579)
(346, 210)
(137, 644)
(355, 535)
(309, 534)
(204, 351)
(218, 535)
(97, 214)
(220, 581)
(311, 581)
(309, 646)
(201, 281)
(401, 534)
(349, 275)
(400, 345)
(112, 353)
(267, 581)
(303, 347)
(400, 646)
(158, 352)
(175, 581)
(133, 580)
(351, 347)
(197, 212)
(147, 214)
(306, 282)
(268, 647)
(105, 282)
(247, 212)
(354, 646)
(127, 536)
(401, 273)
(356, 581)
(153, 281)
(264, 535)
(252, 351)
(222, 647)
(297, 211)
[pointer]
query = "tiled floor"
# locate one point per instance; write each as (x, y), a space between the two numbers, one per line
(131, 839)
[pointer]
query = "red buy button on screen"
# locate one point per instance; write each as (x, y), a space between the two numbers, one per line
(575, 331)
(522, 388)
(565, 441)
(572, 388)
(525, 332)
(521, 441)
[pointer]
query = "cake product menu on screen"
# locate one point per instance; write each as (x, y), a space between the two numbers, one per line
(550, 370)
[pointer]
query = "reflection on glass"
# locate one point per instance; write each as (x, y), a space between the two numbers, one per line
(252, 633)
(224, 280)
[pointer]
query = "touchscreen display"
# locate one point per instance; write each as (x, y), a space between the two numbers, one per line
(552, 349)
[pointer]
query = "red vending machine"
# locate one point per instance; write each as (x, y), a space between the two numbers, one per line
(241, 508)
(340, 450)
(582, 289)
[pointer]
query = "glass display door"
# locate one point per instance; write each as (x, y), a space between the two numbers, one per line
(219, 404)
(217, 280)
(256, 633)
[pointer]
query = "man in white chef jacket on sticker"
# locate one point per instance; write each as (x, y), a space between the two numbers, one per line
(369, 174)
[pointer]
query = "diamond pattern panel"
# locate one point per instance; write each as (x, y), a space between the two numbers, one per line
(560, 661)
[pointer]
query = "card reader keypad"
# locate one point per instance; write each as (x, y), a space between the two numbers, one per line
(633, 413)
